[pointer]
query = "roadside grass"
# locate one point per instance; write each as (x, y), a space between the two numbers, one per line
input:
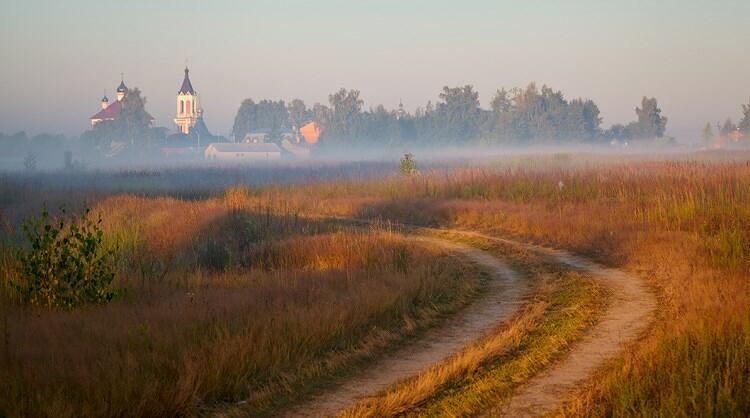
(565, 304)
(293, 306)
(684, 225)
(706, 370)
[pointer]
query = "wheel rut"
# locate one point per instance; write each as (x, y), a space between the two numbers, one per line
(629, 314)
(504, 295)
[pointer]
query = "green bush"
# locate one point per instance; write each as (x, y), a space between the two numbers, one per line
(65, 264)
(408, 166)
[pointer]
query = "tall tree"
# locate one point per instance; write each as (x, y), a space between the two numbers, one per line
(459, 113)
(133, 122)
(344, 115)
(650, 124)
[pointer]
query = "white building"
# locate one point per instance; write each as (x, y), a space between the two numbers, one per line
(187, 106)
(229, 152)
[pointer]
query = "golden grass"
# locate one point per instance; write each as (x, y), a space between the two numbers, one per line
(301, 303)
(684, 225)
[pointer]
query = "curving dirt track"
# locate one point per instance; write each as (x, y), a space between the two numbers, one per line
(628, 315)
(504, 295)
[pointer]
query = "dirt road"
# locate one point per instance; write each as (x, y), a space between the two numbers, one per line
(504, 295)
(630, 311)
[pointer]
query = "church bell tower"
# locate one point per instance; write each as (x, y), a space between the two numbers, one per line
(187, 106)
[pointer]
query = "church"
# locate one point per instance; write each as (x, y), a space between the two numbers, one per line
(188, 118)
(189, 115)
(110, 111)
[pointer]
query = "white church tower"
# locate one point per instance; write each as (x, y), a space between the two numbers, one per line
(187, 106)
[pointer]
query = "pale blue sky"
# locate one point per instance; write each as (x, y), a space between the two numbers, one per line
(59, 56)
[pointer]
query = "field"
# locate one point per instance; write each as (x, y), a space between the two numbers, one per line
(244, 297)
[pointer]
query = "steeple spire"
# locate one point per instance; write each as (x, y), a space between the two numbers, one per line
(187, 105)
(187, 87)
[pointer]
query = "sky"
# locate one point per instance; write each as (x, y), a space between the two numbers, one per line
(57, 58)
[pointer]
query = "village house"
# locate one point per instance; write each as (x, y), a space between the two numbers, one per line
(244, 152)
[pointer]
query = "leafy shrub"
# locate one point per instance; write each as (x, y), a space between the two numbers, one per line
(66, 265)
(408, 166)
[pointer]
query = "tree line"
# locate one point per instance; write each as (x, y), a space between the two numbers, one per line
(516, 116)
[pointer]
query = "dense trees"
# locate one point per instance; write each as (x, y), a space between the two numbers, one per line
(266, 114)
(530, 114)
(458, 114)
(518, 115)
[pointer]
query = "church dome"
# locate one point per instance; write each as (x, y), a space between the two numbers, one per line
(122, 88)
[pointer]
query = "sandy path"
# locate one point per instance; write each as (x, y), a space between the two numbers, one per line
(629, 314)
(504, 295)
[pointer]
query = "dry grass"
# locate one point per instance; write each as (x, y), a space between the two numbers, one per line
(682, 224)
(275, 306)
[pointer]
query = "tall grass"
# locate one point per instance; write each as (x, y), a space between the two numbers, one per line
(684, 225)
(294, 304)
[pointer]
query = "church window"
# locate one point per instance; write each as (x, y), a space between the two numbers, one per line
(182, 106)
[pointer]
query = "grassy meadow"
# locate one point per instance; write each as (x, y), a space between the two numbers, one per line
(681, 222)
(220, 305)
(257, 293)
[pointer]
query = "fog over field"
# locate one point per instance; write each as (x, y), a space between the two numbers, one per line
(374, 209)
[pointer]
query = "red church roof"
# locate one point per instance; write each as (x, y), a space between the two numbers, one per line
(110, 112)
